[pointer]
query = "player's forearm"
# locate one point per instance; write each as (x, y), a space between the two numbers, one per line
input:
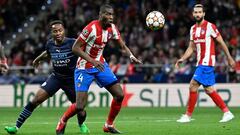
(221, 42)
(43, 56)
(225, 50)
(124, 47)
(187, 53)
(127, 50)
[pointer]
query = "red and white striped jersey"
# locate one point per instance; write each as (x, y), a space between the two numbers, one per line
(203, 37)
(95, 39)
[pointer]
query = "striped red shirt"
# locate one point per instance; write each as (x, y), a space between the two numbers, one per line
(203, 37)
(95, 39)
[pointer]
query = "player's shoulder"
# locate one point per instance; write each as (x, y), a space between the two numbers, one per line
(50, 41)
(89, 27)
(193, 27)
(211, 25)
(113, 26)
(70, 39)
(94, 22)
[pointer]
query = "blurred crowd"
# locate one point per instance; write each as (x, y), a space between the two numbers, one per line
(158, 50)
(13, 12)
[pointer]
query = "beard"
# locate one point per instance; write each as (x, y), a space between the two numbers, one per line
(198, 20)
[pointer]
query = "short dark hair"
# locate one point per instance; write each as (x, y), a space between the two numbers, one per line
(104, 7)
(55, 22)
(199, 6)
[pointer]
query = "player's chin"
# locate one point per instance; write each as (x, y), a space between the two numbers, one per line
(107, 25)
(109, 22)
(59, 39)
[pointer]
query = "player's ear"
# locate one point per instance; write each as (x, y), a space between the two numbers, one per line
(100, 15)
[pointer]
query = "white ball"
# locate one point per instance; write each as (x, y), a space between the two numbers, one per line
(155, 20)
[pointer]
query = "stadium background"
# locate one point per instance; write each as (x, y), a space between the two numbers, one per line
(24, 31)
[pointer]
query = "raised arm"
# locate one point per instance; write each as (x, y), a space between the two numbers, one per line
(187, 54)
(231, 62)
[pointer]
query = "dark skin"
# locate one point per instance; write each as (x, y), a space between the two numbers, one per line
(58, 34)
(106, 19)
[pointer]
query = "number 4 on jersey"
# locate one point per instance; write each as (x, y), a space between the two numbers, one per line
(80, 77)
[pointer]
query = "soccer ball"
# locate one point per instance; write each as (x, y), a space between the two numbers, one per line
(155, 20)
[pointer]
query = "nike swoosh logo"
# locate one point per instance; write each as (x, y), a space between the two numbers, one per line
(98, 36)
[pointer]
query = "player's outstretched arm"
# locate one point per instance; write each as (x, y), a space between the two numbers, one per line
(43, 56)
(77, 50)
(186, 55)
(127, 50)
(231, 62)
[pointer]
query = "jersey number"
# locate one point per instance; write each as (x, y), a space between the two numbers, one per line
(80, 77)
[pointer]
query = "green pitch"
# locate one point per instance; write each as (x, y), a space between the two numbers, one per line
(131, 121)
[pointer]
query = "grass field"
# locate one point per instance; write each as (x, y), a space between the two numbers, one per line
(131, 121)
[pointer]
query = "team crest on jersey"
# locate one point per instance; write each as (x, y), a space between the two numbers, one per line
(85, 32)
(202, 31)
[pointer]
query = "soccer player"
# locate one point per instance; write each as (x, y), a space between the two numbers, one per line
(59, 50)
(3, 60)
(91, 65)
(202, 36)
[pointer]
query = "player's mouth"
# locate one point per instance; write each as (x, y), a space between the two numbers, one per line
(59, 37)
(110, 21)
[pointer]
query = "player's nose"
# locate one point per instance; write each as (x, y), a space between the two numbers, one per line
(59, 33)
(111, 17)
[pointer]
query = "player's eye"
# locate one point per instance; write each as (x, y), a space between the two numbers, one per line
(108, 13)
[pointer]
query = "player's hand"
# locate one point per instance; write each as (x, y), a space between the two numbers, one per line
(3, 68)
(99, 65)
(36, 63)
(231, 62)
(135, 60)
(179, 61)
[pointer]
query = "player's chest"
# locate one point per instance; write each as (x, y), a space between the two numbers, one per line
(200, 33)
(102, 37)
(60, 52)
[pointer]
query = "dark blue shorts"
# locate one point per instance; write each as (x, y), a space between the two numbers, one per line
(204, 75)
(54, 83)
(84, 78)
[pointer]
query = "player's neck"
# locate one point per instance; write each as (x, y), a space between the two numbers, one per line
(200, 23)
(59, 42)
(102, 25)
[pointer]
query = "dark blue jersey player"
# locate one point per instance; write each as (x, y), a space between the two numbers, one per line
(59, 50)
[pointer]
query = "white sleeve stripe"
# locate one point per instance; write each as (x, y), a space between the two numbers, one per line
(115, 34)
(92, 36)
(212, 32)
(81, 35)
(191, 33)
